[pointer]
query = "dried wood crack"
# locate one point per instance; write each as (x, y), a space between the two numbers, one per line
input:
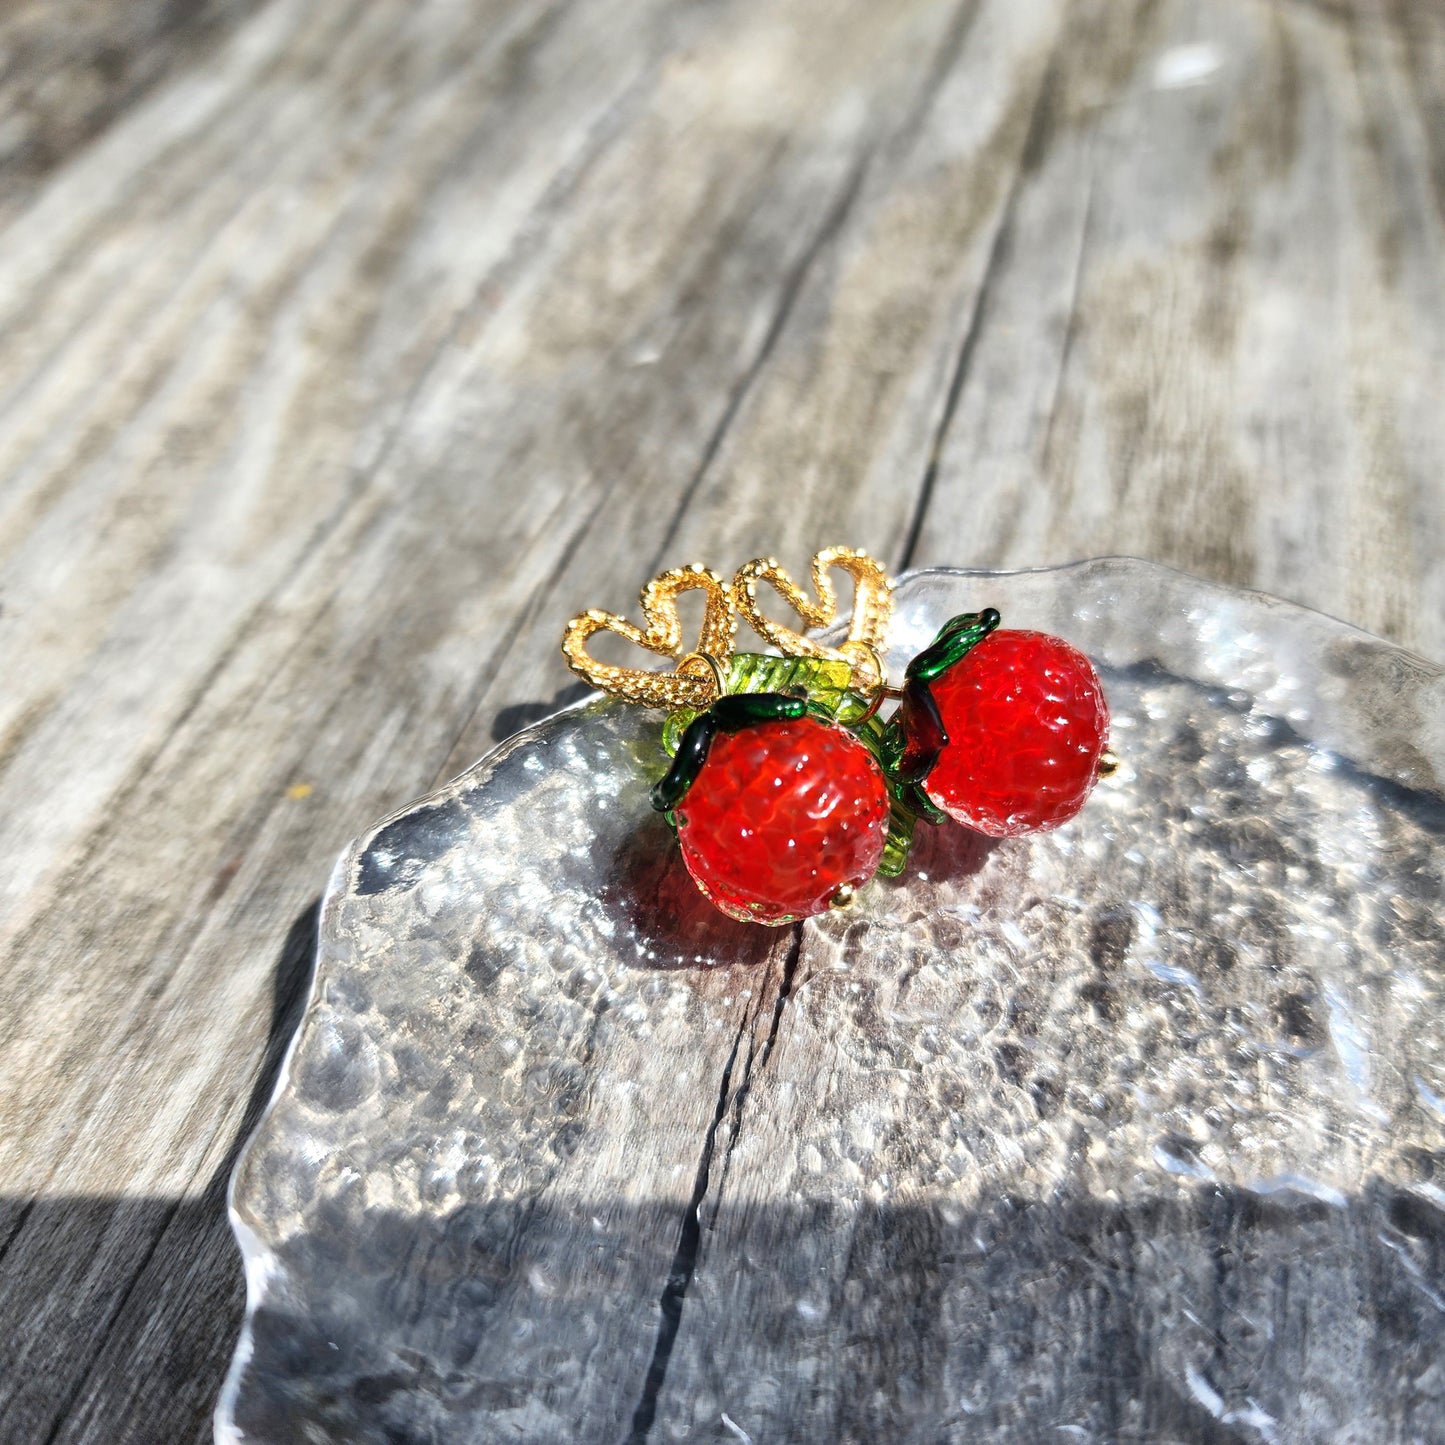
(689, 1243)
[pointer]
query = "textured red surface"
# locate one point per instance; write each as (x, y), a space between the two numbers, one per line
(780, 817)
(1027, 722)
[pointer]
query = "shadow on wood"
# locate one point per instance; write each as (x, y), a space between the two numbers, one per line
(521, 715)
(172, 1286)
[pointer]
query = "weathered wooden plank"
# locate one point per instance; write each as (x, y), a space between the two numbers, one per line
(834, 439)
(70, 68)
(154, 1017)
(379, 339)
(1210, 333)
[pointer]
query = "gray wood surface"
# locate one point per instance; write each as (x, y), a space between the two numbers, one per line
(350, 348)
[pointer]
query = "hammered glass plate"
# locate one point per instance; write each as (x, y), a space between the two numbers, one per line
(1129, 1131)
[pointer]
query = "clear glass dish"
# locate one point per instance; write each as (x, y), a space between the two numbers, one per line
(1129, 1131)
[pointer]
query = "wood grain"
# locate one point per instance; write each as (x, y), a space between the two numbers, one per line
(351, 348)
(69, 68)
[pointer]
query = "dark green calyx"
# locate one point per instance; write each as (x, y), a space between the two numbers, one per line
(741, 710)
(909, 744)
(730, 714)
(924, 735)
(686, 763)
(919, 803)
(957, 636)
(825, 681)
(908, 803)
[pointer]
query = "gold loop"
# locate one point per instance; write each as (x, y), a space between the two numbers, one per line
(719, 672)
(870, 652)
(880, 696)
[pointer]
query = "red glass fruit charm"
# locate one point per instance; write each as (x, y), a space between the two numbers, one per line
(1025, 726)
(780, 812)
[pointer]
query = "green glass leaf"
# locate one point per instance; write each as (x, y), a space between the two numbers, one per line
(825, 680)
(899, 843)
(673, 728)
(883, 738)
(906, 802)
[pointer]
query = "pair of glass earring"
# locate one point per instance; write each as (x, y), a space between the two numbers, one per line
(793, 783)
